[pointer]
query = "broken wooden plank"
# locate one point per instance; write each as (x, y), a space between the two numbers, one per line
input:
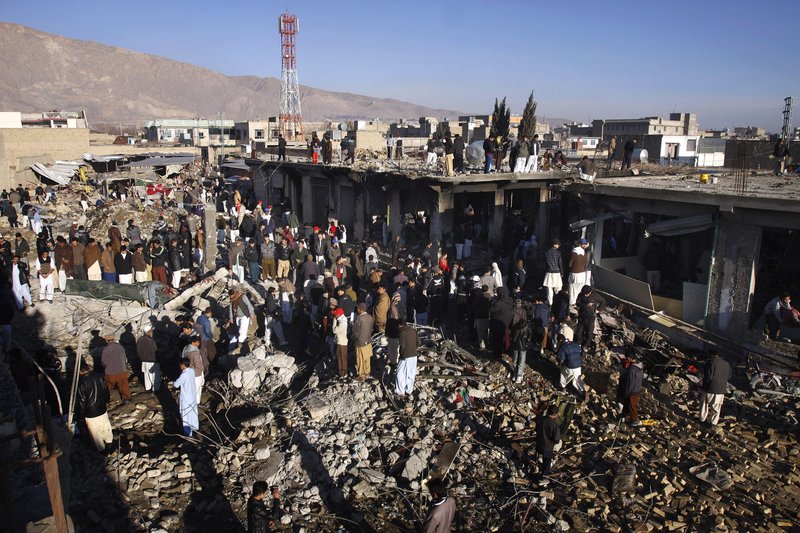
(445, 458)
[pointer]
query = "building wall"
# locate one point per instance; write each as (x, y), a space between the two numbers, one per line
(370, 140)
(10, 119)
(22, 147)
(758, 153)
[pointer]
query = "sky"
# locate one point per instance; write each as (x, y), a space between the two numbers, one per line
(729, 61)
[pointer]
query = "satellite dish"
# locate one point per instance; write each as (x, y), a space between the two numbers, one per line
(343, 126)
(643, 156)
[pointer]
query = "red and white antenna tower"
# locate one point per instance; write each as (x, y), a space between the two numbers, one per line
(291, 119)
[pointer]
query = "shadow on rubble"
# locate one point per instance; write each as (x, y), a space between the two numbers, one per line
(90, 492)
(208, 509)
(344, 511)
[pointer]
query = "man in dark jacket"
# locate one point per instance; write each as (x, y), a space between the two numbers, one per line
(569, 360)
(502, 310)
(481, 307)
(93, 398)
(630, 385)
(252, 257)
(553, 279)
(520, 334)
(548, 437)
(123, 263)
(458, 153)
(716, 374)
(146, 351)
(589, 303)
(627, 154)
(407, 365)
(259, 519)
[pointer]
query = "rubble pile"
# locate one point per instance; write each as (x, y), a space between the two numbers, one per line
(347, 452)
(261, 369)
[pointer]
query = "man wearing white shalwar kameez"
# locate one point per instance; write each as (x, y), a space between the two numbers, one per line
(407, 364)
(20, 284)
(188, 401)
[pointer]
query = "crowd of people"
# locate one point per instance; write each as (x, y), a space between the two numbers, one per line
(319, 285)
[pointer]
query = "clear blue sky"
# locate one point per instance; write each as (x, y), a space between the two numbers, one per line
(732, 62)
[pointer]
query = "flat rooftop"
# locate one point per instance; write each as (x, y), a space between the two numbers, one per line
(770, 192)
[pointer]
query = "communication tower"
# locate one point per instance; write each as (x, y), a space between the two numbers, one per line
(291, 119)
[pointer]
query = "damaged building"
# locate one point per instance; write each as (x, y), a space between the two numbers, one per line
(415, 203)
(714, 253)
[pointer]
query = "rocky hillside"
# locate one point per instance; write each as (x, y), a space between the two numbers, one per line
(43, 72)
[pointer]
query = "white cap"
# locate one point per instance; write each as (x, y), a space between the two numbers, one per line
(147, 327)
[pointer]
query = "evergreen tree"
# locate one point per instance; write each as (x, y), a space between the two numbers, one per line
(527, 126)
(501, 119)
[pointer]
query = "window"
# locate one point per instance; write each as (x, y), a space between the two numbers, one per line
(259, 134)
(691, 145)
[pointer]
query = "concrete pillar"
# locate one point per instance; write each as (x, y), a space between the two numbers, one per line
(436, 223)
(733, 273)
(395, 216)
(496, 229)
(306, 207)
(358, 217)
(542, 222)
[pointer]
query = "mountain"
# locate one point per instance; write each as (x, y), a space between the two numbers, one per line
(44, 72)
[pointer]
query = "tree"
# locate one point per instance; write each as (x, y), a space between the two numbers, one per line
(501, 119)
(441, 130)
(527, 126)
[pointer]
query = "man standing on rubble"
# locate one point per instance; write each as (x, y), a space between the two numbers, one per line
(281, 148)
(147, 352)
(188, 400)
(272, 319)
(107, 264)
(192, 352)
(362, 341)
(123, 264)
(612, 150)
(588, 303)
(240, 312)
(716, 375)
(569, 359)
(407, 364)
(380, 311)
(64, 262)
(116, 369)
(630, 386)
(20, 283)
(93, 397)
(134, 233)
(139, 263)
(91, 258)
(578, 267)
(46, 273)
(115, 236)
(78, 262)
(553, 279)
(520, 334)
(158, 258)
(548, 437)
